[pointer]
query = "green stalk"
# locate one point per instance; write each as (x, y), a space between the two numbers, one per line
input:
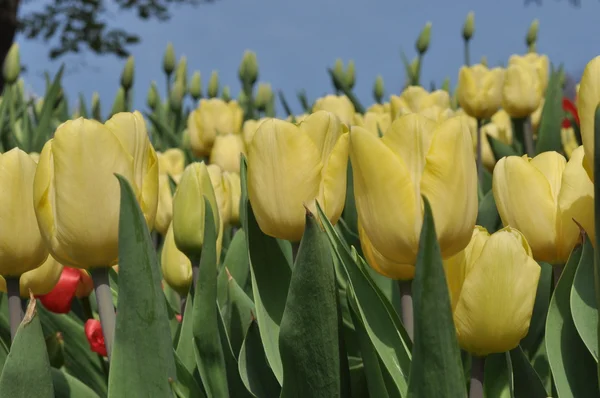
(467, 54)
(89, 314)
(406, 306)
(479, 151)
(14, 304)
(106, 309)
(477, 372)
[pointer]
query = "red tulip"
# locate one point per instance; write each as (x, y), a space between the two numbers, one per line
(569, 106)
(93, 332)
(73, 282)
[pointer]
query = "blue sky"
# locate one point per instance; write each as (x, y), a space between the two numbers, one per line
(296, 40)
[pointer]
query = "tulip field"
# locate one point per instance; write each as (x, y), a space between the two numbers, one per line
(435, 243)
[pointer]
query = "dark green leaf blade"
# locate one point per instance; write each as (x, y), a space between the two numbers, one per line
(527, 383)
(253, 367)
(530, 343)
(500, 149)
(497, 374)
(66, 385)
(488, 216)
(548, 134)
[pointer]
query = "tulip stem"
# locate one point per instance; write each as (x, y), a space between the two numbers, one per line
(15, 309)
(106, 309)
(467, 54)
(89, 314)
(195, 260)
(479, 151)
(477, 371)
(557, 272)
(406, 305)
(524, 136)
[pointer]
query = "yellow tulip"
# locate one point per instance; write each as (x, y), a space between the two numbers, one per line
(373, 122)
(35, 156)
(222, 196)
(213, 117)
(490, 129)
(415, 157)
(438, 114)
(21, 246)
(297, 118)
(569, 141)
(539, 62)
(164, 211)
(382, 264)
(479, 90)
(234, 188)
(291, 166)
(380, 108)
(249, 128)
(76, 195)
(340, 106)
(226, 152)
(492, 286)
(189, 208)
(416, 98)
(504, 123)
(40, 280)
(176, 266)
(588, 99)
(541, 197)
(522, 91)
(171, 162)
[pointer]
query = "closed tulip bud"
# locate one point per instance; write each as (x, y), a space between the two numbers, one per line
(169, 59)
(127, 74)
(338, 73)
(39, 104)
(282, 179)
(234, 187)
(213, 85)
(492, 286)
(221, 194)
(424, 38)
(479, 90)
(340, 106)
(248, 71)
(226, 94)
(40, 280)
(21, 245)
(181, 71)
(12, 65)
(588, 99)
(521, 93)
(414, 67)
(119, 103)
(446, 85)
(249, 129)
(350, 75)
(374, 122)
(213, 117)
(21, 87)
(378, 89)
(96, 110)
(76, 195)
(484, 61)
(175, 265)
(415, 98)
(176, 96)
(196, 86)
(226, 152)
(541, 197)
(189, 209)
(153, 98)
(415, 157)
(264, 95)
(531, 37)
(540, 63)
(469, 26)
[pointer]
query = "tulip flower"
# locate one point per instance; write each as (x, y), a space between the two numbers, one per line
(226, 152)
(93, 332)
(494, 131)
(480, 90)
(522, 90)
(438, 114)
(290, 166)
(171, 162)
(568, 140)
(415, 98)
(22, 247)
(221, 194)
(536, 116)
(234, 188)
(213, 117)
(588, 99)
(373, 121)
(176, 266)
(72, 282)
(76, 195)
(541, 197)
(164, 211)
(381, 108)
(504, 123)
(40, 280)
(540, 63)
(415, 157)
(189, 210)
(340, 106)
(570, 108)
(35, 156)
(492, 285)
(249, 128)
(297, 118)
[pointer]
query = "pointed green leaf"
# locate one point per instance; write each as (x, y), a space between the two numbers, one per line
(44, 128)
(527, 383)
(497, 374)
(237, 314)
(500, 149)
(66, 385)
(83, 111)
(488, 216)
(537, 325)
(186, 383)
(142, 358)
(253, 367)
(26, 372)
(548, 133)
(237, 260)
(237, 388)
(185, 344)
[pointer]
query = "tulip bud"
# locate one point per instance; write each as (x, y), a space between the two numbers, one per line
(378, 89)
(96, 110)
(176, 96)
(469, 26)
(12, 65)
(248, 71)
(169, 59)
(423, 41)
(446, 85)
(234, 188)
(350, 75)
(21, 87)
(226, 94)
(532, 33)
(119, 103)
(39, 104)
(181, 71)
(340, 106)
(127, 74)
(414, 67)
(152, 99)
(242, 99)
(196, 86)
(213, 85)
(484, 61)
(176, 266)
(264, 96)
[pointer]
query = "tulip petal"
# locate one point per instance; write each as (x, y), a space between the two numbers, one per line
(324, 128)
(176, 266)
(385, 197)
(496, 302)
(551, 165)
(332, 193)
(588, 99)
(524, 200)
(450, 184)
(198, 141)
(284, 173)
(381, 264)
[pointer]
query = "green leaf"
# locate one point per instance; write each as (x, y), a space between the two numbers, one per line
(349, 214)
(500, 149)
(186, 384)
(26, 372)
(237, 388)
(583, 300)
(597, 213)
(253, 367)
(185, 344)
(435, 353)
(527, 383)
(164, 131)
(66, 385)
(573, 367)
(237, 314)
(83, 111)
(310, 355)
(488, 216)
(209, 352)
(548, 133)
(270, 274)
(237, 261)
(530, 343)
(142, 356)
(44, 128)
(497, 375)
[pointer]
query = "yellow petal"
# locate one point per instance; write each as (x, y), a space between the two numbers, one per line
(284, 173)
(171, 162)
(164, 212)
(41, 280)
(226, 152)
(381, 264)
(588, 99)
(199, 141)
(235, 192)
(332, 192)
(222, 196)
(176, 266)
(449, 182)
(341, 106)
(521, 93)
(324, 129)
(503, 121)
(496, 301)
(385, 197)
